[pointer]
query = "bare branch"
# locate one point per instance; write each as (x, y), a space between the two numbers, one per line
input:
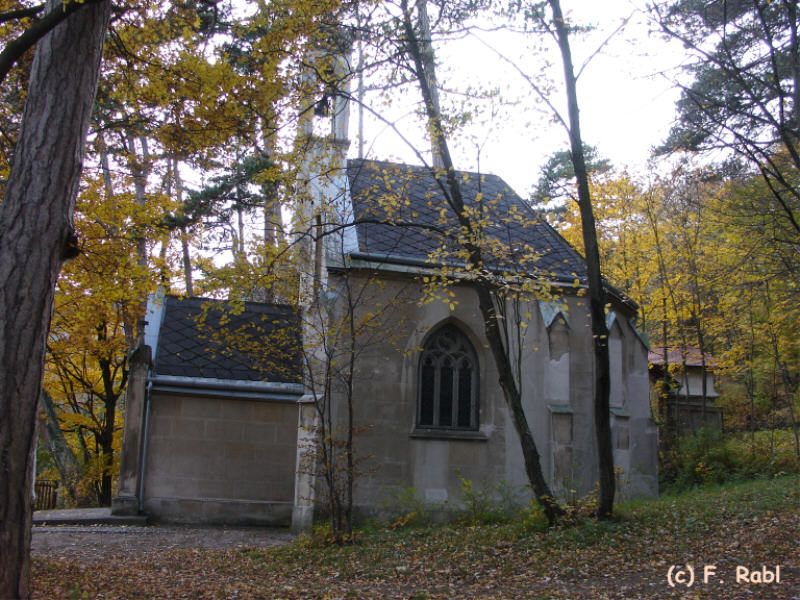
(17, 47)
(539, 92)
(603, 45)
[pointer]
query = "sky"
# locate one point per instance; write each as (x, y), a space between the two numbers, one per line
(626, 95)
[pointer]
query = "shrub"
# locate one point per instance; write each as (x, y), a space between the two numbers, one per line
(485, 503)
(709, 456)
(406, 508)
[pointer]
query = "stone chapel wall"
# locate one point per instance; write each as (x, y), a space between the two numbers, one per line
(220, 460)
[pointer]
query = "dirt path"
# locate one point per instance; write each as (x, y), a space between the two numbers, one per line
(93, 543)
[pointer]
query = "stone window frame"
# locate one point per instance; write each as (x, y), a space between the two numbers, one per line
(447, 346)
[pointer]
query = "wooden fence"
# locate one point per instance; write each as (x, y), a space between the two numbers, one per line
(46, 494)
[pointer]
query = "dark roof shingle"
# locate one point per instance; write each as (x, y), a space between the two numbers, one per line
(200, 337)
(410, 197)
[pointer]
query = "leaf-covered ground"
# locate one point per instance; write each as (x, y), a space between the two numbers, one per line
(754, 525)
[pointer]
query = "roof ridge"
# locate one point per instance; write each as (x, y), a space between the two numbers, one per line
(428, 168)
(251, 303)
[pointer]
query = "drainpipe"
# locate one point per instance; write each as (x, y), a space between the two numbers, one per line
(33, 475)
(145, 439)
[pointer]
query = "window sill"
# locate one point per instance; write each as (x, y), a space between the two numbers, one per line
(448, 434)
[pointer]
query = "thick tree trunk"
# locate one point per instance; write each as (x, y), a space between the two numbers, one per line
(597, 296)
(36, 236)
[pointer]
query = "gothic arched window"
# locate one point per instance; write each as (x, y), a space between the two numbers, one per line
(447, 396)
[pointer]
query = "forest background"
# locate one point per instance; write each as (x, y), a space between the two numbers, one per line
(191, 162)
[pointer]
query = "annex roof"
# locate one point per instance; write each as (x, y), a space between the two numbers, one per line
(388, 193)
(220, 341)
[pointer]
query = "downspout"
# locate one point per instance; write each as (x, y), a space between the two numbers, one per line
(145, 439)
(35, 453)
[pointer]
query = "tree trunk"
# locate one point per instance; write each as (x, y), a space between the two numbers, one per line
(530, 453)
(426, 55)
(485, 289)
(36, 236)
(667, 383)
(703, 371)
(63, 457)
(597, 296)
(106, 437)
(187, 262)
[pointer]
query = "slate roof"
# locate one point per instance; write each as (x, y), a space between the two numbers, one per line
(414, 196)
(200, 337)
